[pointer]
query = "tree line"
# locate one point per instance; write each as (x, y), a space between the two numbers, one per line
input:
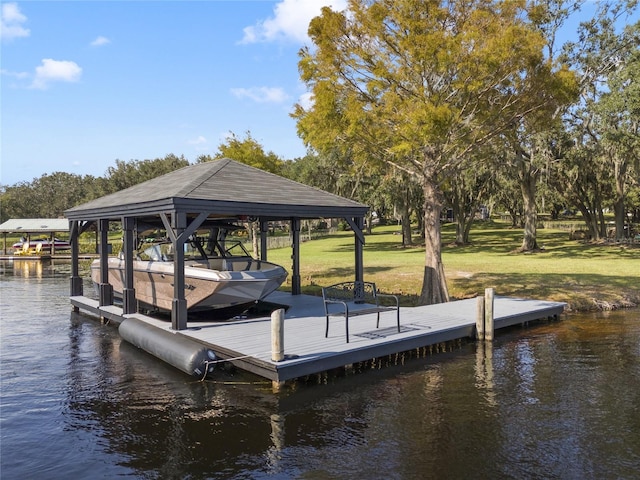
(422, 105)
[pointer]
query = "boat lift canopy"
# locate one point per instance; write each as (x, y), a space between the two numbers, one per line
(28, 226)
(185, 199)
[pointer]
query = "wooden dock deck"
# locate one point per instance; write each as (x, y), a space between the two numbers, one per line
(246, 342)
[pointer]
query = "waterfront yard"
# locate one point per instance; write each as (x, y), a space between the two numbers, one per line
(585, 275)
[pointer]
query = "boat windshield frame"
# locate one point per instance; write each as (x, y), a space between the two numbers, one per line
(197, 248)
(164, 252)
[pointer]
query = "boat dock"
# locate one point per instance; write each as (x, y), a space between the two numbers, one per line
(247, 343)
(32, 258)
(43, 257)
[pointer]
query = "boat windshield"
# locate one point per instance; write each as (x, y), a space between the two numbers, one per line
(213, 244)
(163, 252)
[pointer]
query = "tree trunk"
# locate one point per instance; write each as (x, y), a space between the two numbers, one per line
(464, 221)
(603, 224)
(528, 183)
(405, 222)
(420, 227)
(406, 228)
(461, 222)
(464, 216)
(515, 217)
(457, 200)
(590, 221)
(585, 193)
(620, 171)
(368, 223)
(467, 230)
(434, 284)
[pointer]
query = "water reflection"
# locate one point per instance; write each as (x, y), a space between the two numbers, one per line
(37, 269)
(157, 419)
(484, 371)
(508, 409)
(29, 268)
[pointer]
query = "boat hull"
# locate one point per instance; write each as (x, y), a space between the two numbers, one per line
(46, 244)
(244, 281)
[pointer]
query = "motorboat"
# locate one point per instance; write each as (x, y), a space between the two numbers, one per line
(45, 242)
(218, 274)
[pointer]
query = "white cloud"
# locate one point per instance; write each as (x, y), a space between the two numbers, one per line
(11, 20)
(18, 75)
(200, 140)
(55, 71)
(261, 94)
(100, 41)
(306, 100)
(290, 21)
(199, 144)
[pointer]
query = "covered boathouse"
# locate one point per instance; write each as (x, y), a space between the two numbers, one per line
(25, 227)
(184, 199)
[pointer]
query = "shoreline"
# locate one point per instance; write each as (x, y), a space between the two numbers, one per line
(601, 305)
(581, 295)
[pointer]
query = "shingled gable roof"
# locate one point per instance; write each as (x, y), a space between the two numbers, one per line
(35, 225)
(222, 187)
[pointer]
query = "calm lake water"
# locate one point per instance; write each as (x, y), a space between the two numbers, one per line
(557, 400)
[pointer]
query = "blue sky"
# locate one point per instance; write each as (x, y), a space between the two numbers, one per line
(85, 83)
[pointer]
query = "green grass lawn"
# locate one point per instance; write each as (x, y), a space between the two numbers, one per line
(584, 275)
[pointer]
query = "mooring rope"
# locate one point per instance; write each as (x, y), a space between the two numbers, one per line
(222, 360)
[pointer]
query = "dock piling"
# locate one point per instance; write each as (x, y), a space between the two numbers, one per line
(484, 315)
(480, 318)
(277, 335)
(489, 295)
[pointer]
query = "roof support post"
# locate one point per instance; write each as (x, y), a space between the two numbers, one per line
(357, 224)
(75, 280)
(179, 232)
(359, 251)
(105, 288)
(295, 256)
(129, 304)
(264, 229)
(179, 303)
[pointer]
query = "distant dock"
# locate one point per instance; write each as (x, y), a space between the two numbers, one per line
(32, 258)
(44, 257)
(247, 344)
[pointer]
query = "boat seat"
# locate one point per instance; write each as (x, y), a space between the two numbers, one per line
(217, 264)
(25, 249)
